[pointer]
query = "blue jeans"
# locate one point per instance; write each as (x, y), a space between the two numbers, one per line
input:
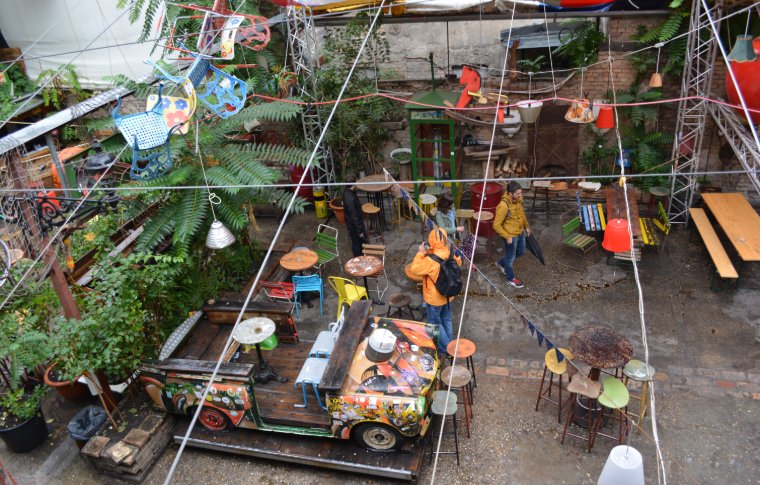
(441, 317)
(511, 252)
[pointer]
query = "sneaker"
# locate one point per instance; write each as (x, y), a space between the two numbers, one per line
(516, 283)
(501, 268)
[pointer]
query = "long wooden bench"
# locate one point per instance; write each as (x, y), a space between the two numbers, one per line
(722, 262)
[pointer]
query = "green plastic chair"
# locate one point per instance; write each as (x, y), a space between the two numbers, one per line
(614, 397)
(327, 245)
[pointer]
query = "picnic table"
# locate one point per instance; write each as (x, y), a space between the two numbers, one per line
(616, 202)
(739, 221)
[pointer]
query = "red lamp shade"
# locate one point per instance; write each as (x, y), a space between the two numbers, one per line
(617, 239)
(606, 118)
(748, 78)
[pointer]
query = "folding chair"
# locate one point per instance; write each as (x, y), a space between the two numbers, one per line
(304, 284)
(327, 245)
(279, 290)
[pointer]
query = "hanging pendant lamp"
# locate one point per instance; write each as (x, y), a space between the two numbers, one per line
(624, 466)
(656, 80)
(617, 239)
(219, 237)
(529, 110)
(743, 50)
(605, 120)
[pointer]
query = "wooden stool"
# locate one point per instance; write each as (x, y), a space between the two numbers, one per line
(463, 217)
(427, 203)
(397, 303)
(459, 379)
(484, 220)
(614, 397)
(372, 214)
(639, 371)
(444, 407)
(559, 369)
(657, 194)
(581, 385)
(465, 351)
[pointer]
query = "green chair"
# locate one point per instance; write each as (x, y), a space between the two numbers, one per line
(327, 245)
(614, 397)
(571, 235)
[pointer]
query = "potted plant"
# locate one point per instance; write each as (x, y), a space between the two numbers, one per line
(24, 347)
(336, 204)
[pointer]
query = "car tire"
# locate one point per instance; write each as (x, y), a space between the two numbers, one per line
(377, 437)
(214, 420)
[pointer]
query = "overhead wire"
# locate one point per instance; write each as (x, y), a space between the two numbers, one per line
(268, 254)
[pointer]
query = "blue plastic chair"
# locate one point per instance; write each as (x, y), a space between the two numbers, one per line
(308, 283)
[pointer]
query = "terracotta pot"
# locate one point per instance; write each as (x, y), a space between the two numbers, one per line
(338, 209)
(70, 391)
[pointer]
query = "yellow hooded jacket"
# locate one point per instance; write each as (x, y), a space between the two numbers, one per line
(509, 219)
(424, 266)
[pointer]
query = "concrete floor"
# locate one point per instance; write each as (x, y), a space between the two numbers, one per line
(704, 345)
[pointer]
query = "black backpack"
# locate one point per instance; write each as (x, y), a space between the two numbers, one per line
(449, 282)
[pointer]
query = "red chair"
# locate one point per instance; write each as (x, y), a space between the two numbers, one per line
(279, 290)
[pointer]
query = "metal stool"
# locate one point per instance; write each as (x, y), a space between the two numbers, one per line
(397, 302)
(372, 214)
(465, 351)
(559, 369)
(444, 407)
(657, 194)
(581, 385)
(614, 397)
(463, 217)
(459, 379)
(639, 371)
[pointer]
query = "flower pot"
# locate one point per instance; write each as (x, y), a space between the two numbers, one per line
(70, 391)
(336, 205)
(26, 436)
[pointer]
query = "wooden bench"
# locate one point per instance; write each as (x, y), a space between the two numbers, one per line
(722, 262)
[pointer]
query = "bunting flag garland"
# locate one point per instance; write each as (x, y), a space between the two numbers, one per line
(429, 223)
(549, 345)
(560, 355)
(531, 327)
(539, 337)
(524, 320)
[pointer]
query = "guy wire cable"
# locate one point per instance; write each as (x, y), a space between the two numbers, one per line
(268, 254)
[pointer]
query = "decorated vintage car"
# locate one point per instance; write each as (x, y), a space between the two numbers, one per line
(372, 386)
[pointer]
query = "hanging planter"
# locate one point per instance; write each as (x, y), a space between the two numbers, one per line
(580, 112)
(336, 205)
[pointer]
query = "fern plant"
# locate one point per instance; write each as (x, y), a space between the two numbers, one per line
(58, 81)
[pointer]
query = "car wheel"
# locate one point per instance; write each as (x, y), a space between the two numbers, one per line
(214, 420)
(377, 436)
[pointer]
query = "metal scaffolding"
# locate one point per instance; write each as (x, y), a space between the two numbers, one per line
(702, 52)
(302, 45)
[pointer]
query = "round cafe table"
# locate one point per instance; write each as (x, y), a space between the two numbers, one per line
(253, 331)
(299, 260)
(363, 266)
(601, 348)
(375, 186)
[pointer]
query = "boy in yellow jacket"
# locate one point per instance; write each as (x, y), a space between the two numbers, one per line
(510, 223)
(438, 310)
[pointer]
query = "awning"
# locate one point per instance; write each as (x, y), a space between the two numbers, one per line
(534, 36)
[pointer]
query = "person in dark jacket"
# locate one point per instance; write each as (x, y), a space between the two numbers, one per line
(352, 209)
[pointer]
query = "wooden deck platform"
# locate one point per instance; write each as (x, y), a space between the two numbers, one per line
(334, 454)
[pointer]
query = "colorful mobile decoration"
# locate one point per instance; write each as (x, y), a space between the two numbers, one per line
(147, 133)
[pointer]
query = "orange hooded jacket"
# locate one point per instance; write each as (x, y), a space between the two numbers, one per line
(429, 269)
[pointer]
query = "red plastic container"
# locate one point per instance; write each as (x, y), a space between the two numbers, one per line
(295, 176)
(492, 193)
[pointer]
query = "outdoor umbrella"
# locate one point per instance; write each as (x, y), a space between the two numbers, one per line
(532, 244)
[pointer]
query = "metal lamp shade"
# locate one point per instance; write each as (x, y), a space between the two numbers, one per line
(656, 80)
(617, 239)
(219, 237)
(529, 110)
(743, 50)
(624, 466)
(606, 118)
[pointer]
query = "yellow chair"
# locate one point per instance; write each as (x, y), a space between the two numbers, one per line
(348, 292)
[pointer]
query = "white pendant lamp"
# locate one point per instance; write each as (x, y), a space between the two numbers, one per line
(624, 466)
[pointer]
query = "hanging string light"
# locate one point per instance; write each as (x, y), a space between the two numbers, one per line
(656, 80)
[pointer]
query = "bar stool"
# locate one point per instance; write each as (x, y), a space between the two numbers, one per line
(484, 220)
(656, 194)
(465, 351)
(444, 407)
(639, 371)
(459, 379)
(614, 397)
(581, 385)
(555, 368)
(398, 303)
(463, 217)
(372, 214)
(427, 203)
